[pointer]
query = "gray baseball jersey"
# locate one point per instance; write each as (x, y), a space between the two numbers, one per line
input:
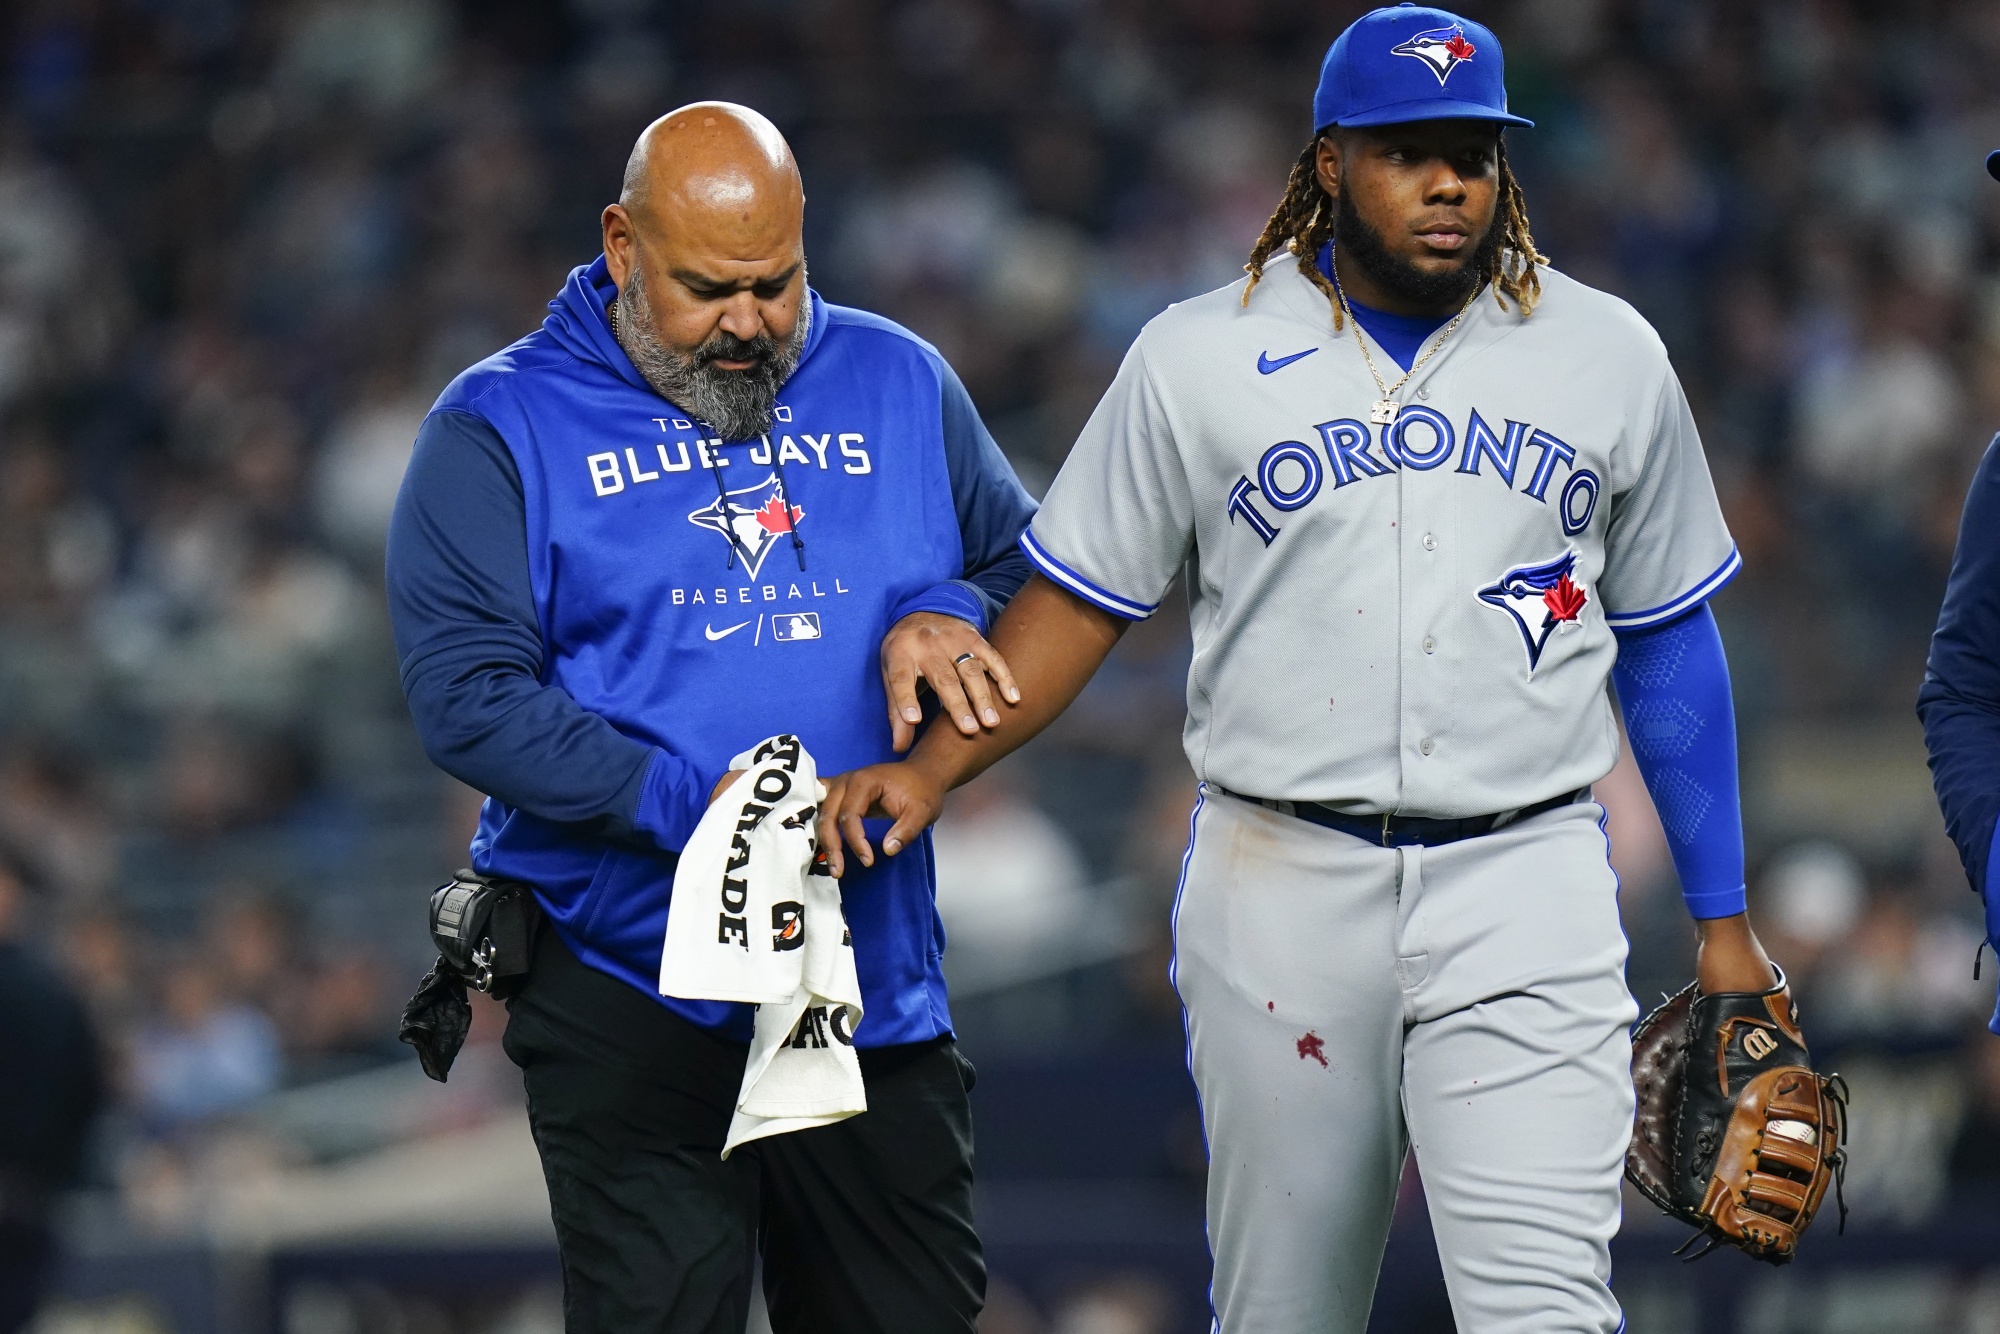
(1413, 617)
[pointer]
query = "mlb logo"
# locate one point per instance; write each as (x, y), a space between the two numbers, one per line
(787, 626)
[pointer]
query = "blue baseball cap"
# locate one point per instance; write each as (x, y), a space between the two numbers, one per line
(1409, 63)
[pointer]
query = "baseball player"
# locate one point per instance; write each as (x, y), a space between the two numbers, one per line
(1430, 496)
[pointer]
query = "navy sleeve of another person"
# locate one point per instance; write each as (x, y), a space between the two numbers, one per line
(1960, 698)
(993, 511)
(1959, 702)
(471, 653)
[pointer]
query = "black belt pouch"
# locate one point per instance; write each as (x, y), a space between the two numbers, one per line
(485, 933)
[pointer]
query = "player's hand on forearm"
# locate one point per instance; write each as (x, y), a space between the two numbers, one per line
(905, 793)
(955, 659)
(1731, 958)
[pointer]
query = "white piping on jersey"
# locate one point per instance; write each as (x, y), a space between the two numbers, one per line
(1082, 587)
(1666, 611)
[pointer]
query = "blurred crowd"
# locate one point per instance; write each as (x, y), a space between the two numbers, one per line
(243, 244)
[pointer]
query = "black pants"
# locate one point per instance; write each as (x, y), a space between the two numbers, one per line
(864, 1225)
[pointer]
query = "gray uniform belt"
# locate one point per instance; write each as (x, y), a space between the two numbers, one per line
(1402, 831)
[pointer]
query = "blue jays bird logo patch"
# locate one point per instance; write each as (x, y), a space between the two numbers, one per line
(1443, 49)
(1543, 599)
(752, 526)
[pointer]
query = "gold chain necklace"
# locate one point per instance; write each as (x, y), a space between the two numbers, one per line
(1385, 409)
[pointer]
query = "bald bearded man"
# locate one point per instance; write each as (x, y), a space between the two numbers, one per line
(697, 507)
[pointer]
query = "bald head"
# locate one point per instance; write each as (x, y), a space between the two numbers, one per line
(706, 244)
(712, 157)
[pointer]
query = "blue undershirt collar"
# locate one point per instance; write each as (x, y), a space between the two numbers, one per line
(1401, 336)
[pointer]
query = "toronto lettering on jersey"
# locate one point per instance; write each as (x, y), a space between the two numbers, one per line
(1291, 473)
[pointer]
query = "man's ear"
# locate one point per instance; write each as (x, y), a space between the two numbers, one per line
(1326, 164)
(618, 243)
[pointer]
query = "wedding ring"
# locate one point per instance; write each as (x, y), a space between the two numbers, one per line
(962, 659)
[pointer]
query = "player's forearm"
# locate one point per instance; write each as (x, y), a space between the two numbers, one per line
(1055, 643)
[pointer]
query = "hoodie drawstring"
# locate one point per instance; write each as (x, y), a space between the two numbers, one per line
(712, 451)
(785, 499)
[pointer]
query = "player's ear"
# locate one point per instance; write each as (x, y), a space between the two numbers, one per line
(1326, 163)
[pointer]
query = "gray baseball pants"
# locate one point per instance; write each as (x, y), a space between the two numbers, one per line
(1347, 1003)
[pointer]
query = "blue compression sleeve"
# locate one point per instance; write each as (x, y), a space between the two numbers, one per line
(471, 650)
(1673, 686)
(993, 511)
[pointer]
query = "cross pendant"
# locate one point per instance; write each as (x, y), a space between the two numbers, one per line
(1384, 412)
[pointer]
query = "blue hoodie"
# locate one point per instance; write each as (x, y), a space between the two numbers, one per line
(596, 607)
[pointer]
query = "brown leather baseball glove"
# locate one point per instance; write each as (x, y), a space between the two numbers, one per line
(1736, 1133)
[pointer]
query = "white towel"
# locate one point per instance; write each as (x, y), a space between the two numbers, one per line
(755, 918)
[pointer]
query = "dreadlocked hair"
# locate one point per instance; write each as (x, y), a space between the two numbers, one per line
(1303, 222)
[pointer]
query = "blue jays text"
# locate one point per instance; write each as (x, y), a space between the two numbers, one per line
(1290, 474)
(648, 463)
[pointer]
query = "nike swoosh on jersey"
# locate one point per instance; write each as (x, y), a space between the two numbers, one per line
(1265, 365)
(715, 634)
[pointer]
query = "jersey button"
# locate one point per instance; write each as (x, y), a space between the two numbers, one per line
(1430, 542)
(1430, 646)
(1427, 746)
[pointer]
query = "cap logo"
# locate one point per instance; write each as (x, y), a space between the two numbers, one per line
(1442, 49)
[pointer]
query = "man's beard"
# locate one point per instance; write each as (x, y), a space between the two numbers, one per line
(737, 405)
(1364, 245)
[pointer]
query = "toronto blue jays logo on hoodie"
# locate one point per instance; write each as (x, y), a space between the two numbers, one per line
(754, 520)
